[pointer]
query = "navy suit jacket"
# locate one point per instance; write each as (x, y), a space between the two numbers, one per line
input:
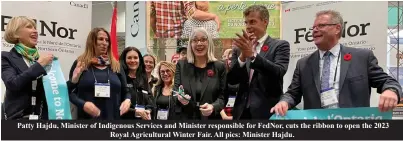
(266, 86)
(18, 77)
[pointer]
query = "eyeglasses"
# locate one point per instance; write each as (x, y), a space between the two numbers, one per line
(320, 26)
(202, 40)
(165, 71)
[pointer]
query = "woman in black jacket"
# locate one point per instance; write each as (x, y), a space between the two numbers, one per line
(202, 78)
(133, 64)
(164, 101)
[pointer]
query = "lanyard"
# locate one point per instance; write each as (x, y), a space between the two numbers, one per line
(169, 102)
(337, 65)
(93, 74)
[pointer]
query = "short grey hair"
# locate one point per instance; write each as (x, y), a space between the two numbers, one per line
(210, 47)
(335, 16)
(263, 11)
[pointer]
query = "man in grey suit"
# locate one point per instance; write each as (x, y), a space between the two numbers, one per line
(336, 76)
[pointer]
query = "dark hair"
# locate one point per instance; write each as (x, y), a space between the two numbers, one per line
(263, 11)
(141, 76)
(151, 57)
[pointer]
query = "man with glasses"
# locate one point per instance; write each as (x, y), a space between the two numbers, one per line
(336, 76)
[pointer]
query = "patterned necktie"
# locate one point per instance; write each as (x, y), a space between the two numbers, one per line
(326, 71)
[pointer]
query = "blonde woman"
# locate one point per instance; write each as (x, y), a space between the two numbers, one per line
(100, 83)
(164, 101)
(202, 78)
(21, 71)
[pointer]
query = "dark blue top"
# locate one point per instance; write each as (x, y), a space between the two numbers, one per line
(85, 91)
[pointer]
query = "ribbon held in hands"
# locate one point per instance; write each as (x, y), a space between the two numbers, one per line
(181, 92)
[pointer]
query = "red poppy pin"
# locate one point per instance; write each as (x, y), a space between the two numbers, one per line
(347, 57)
(210, 73)
(265, 48)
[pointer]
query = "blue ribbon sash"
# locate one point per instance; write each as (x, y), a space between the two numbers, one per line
(365, 113)
(56, 92)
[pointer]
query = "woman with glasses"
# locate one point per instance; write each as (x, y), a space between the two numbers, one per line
(164, 101)
(200, 79)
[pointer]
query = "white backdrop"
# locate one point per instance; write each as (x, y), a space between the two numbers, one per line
(62, 27)
(365, 24)
(136, 25)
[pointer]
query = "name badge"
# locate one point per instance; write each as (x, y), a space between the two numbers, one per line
(162, 114)
(129, 85)
(328, 97)
(139, 107)
(33, 117)
(231, 101)
(102, 90)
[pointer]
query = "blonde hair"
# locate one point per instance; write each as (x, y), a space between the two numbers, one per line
(171, 67)
(14, 25)
(227, 52)
(210, 47)
(89, 51)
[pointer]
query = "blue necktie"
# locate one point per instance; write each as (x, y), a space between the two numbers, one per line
(326, 71)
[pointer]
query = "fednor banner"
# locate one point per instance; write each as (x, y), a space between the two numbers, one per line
(367, 113)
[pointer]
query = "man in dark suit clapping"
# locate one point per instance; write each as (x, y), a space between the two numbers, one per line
(336, 76)
(259, 63)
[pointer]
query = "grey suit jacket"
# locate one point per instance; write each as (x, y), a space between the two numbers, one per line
(357, 76)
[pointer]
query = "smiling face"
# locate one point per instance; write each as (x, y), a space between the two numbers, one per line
(166, 75)
(325, 32)
(132, 60)
(28, 35)
(200, 44)
(102, 43)
(149, 63)
(255, 24)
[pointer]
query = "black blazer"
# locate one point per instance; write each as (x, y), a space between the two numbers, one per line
(266, 85)
(357, 76)
(212, 88)
(17, 78)
(173, 99)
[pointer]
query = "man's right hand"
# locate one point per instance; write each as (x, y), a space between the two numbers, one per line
(91, 109)
(281, 108)
(45, 59)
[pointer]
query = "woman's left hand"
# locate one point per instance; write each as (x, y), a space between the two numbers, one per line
(206, 109)
(124, 107)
